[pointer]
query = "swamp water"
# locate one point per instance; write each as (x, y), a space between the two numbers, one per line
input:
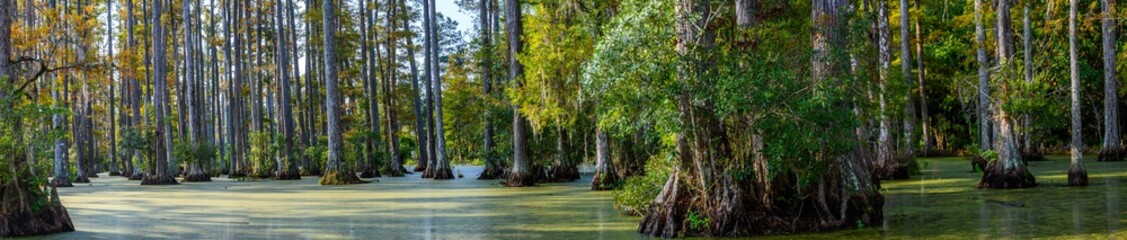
(941, 203)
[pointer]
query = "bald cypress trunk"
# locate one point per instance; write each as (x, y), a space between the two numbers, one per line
(521, 174)
(886, 159)
(605, 177)
(287, 165)
(1077, 175)
(908, 143)
(1009, 170)
(985, 132)
(1112, 150)
(493, 168)
(336, 172)
(159, 174)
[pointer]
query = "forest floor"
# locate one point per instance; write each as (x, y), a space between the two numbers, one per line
(941, 203)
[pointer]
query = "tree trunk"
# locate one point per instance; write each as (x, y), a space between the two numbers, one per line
(605, 178)
(160, 174)
(1009, 170)
(420, 120)
(336, 173)
(493, 169)
(389, 101)
(886, 165)
(907, 150)
(427, 82)
(1112, 150)
(985, 139)
(442, 170)
(1077, 175)
(520, 175)
(287, 166)
(925, 130)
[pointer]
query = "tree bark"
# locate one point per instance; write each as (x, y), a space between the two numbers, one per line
(160, 174)
(1009, 170)
(287, 166)
(605, 177)
(520, 175)
(985, 138)
(907, 150)
(1077, 175)
(493, 169)
(1112, 150)
(336, 172)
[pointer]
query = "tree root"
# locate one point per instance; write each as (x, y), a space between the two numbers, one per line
(490, 173)
(154, 180)
(52, 218)
(519, 180)
(604, 181)
(1077, 177)
(443, 174)
(995, 177)
(198, 177)
(562, 173)
(81, 179)
(61, 182)
(978, 163)
(370, 173)
(288, 175)
(340, 178)
(1111, 155)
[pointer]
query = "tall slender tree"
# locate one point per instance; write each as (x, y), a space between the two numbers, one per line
(159, 172)
(985, 129)
(493, 168)
(442, 164)
(1009, 170)
(336, 171)
(521, 174)
(1112, 149)
(1077, 175)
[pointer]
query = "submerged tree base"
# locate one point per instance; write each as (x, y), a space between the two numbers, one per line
(154, 180)
(61, 182)
(978, 163)
(198, 177)
(52, 218)
(563, 173)
(310, 172)
(490, 173)
(519, 180)
(996, 177)
(604, 181)
(1111, 155)
(81, 179)
(443, 174)
(370, 173)
(288, 175)
(115, 173)
(340, 178)
(1077, 177)
(136, 176)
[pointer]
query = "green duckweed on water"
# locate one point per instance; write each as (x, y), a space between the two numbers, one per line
(940, 203)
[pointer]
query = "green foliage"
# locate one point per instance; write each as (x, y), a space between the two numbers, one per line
(262, 153)
(698, 221)
(192, 153)
(637, 193)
